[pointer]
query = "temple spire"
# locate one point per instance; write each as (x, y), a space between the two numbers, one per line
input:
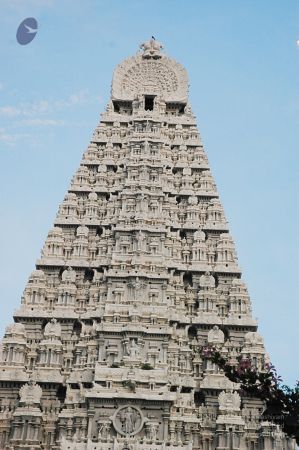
(138, 279)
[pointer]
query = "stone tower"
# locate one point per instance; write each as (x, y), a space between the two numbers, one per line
(138, 274)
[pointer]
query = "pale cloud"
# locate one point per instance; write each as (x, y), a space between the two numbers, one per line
(42, 107)
(10, 111)
(41, 122)
(36, 114)
(25, 109)
(77, 98)
(11, 138)
(1, 86)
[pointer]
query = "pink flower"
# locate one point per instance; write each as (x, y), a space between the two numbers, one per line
(207, 351)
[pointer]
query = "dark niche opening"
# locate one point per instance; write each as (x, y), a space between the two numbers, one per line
(122, 107)
(149, 102)
(99, 231)
(61, 393)
(199, 398)
(77, 327)
(186, 390)
(187, 279)
(116, 107)
(182, 109)
(183, 234)
(88, 275)
(44, 323)
(192, 332)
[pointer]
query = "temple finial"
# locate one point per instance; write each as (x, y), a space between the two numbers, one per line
(151, 48)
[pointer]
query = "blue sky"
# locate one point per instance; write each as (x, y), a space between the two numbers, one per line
(243, 63)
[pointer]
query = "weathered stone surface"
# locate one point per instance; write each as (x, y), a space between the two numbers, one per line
(137, 275)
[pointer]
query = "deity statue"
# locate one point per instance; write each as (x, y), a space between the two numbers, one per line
(138, 286)
(135, 104)
(160, 105)
(52, 329)
(69, 275)
(128, 420)
(133, 349)
(151, 429)
(215, 335)
(104, 429)
(140, 240)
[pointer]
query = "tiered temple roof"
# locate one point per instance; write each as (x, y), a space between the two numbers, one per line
(138, 274)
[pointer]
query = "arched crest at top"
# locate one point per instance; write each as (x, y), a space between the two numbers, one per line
(139, 75)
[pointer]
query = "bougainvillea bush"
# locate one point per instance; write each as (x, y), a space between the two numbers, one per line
(282, 402)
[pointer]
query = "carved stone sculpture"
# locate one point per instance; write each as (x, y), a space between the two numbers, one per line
(128, 420)
(30, 393)
(137, 280)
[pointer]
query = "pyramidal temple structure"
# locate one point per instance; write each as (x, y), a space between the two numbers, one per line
(137, 275)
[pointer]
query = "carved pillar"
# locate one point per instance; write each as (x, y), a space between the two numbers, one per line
(90, 415)
(166, 417)
(172, 432)
(69, 429)
(61, 430)
(179, 428)
(164, 354)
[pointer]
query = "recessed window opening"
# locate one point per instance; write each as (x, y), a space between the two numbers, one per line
(88, 275)
(187, 279)
(181, 109)
(183, 234)
(149, 102)
(99, 231)
(116, 107)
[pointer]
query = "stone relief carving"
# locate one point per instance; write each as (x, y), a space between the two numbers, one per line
(151, 431)
(151, 48)
(229, 401)
(252, 338)
(128, 420)
(207, 280)
(30, 393)
(104, 430)
(153, 75)
(215, 335)
(133, 349)
(68, 275)
(17, 329)
(52, 329)
(140, 272)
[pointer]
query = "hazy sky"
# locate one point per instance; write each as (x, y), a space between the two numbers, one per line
(242, 61)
